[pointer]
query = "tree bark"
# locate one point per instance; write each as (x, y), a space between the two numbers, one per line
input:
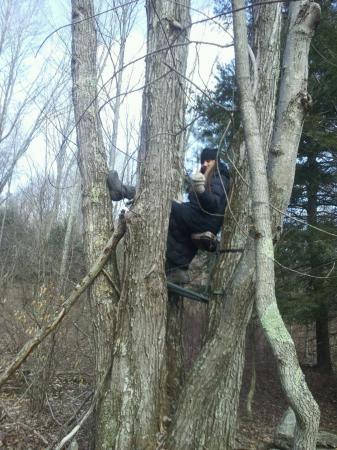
(96, 204)
(238, 301)
(292, 378)
(252, 386)
(232, 296)
(209, 400)
(175, 350)
(294, 100)
(138, 376)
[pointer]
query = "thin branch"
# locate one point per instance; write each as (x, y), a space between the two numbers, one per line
(251, 5)
(322, 56)
(225, 13)
(67, 305)
(304, 274)
(203, 92)
(88, 413)
(111, 281)
(83, 20)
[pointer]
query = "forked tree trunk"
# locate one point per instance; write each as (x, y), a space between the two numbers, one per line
(96, 205)
(232, 297)
(197, 427)
(266, 33)
(292, 378)
(206, 413)
(209, 400)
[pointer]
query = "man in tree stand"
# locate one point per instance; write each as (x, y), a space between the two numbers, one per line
(193, 224)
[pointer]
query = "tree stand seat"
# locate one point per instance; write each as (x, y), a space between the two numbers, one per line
(206, 241)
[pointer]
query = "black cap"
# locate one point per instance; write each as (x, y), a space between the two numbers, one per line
(208, 154)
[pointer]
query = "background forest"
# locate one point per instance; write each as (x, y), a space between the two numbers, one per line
(42, 232)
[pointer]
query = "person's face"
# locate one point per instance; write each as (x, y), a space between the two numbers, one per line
(207, 165)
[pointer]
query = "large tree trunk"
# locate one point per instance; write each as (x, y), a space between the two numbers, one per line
(209, 400)
(123, 21)
(292, 378)
(138, 376)
(96, 205)
(175, 354)
(232, 296)
(213, 427)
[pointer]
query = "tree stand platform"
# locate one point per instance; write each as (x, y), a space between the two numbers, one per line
(187, 293)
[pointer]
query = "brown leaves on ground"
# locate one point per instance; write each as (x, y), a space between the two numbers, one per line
(69, 397)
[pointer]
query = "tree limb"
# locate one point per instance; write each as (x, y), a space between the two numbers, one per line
(67, 305)
(291, 376)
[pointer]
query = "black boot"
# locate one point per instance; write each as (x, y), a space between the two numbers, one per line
(117, 189)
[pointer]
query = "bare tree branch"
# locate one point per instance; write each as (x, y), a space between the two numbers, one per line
(67, 305)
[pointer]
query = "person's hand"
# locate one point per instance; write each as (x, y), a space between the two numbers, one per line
(198, 182)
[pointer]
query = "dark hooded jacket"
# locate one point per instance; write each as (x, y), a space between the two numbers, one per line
(207, 209)
(203, 212)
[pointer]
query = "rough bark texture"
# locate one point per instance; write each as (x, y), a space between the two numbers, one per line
(251, 338)
(293, 103)
(96, 204)
(138, 378)
(174, 350)
(292, 378)
(267, 30)
(175, 366)
(204, 417)
(241, 300)
(214, 426)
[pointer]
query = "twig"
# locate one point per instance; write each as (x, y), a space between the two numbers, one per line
(71, 420)
(202, 91)
(111, 281)
(37, 433)
(87, 414)
(73, 417)
(66, 306)
(52, 412)
(23, 425)
(82, 20)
